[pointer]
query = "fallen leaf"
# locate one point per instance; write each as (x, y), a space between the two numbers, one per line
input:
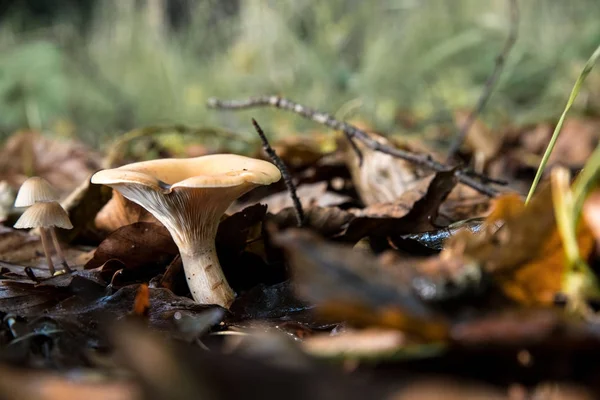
(142, 244)
(525, 255)
(480, 140)
(26, 250)
(310, 195)
(353, 286)
(380, 177)
(119, 212)
(413, 212)
(65, 164)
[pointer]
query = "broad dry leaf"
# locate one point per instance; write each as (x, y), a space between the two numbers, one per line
(381, 178)
(349, 285)
(119, 212)
(65, 164)
(525, 255)
(142, 244)
(310, 195)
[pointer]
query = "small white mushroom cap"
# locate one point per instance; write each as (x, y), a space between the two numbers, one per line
(33, 190)
(47, 214)
(188, 196)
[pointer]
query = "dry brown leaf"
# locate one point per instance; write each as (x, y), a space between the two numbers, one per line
(481, 141)
(310, 195)
(381, 178)
(65, 164)
(525, 255)
(352, 286)
(119, 212)
(19, 247)
(142, 244)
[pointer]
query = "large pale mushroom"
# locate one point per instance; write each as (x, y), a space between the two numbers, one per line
(188, 196)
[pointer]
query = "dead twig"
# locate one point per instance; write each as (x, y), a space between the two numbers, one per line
(491, 81)
(353, 132)
(285, 173)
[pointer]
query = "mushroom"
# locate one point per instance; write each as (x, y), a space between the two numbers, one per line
(46, 215)
(189, 196)
(35, 189)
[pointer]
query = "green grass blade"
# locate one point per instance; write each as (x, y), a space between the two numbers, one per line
(584, 73)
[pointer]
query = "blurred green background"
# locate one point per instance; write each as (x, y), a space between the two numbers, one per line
(94, 69)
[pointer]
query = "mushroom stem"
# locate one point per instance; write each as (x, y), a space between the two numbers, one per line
(205, 277)
(59, 252)
(46, 246)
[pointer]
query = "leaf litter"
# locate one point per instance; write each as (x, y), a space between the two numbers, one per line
(408, 283)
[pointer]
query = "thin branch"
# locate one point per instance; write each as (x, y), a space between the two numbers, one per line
(491, 81)
(285, 173)
(353, 132)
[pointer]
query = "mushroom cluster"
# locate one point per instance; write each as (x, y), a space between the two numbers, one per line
(189, 196)
(43, 212)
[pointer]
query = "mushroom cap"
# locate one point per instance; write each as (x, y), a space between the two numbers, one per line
(212, 171)
(44, 214)
(33, 190)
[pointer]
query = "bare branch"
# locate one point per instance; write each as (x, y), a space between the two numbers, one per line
(491, 81)
(352, 132)
(285, 173)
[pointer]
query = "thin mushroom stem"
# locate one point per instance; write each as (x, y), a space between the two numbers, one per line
(46, 246)
(59, 252)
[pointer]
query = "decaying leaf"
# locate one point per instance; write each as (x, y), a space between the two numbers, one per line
(119, 212)
(525, 255)
(380, 178)
(414, 211)
(310, 195)
(25, 250)
(352, 285)
(142, 244)
(65, 164)
(481, 141)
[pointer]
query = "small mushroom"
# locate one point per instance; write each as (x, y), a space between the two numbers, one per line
(33, 190)
(188, 196)
(46, 215)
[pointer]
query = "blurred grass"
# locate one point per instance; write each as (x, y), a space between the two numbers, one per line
(370, 59)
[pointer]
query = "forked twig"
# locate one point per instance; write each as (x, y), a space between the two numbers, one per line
(352, 132)
(285, 173)
(491, 81)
